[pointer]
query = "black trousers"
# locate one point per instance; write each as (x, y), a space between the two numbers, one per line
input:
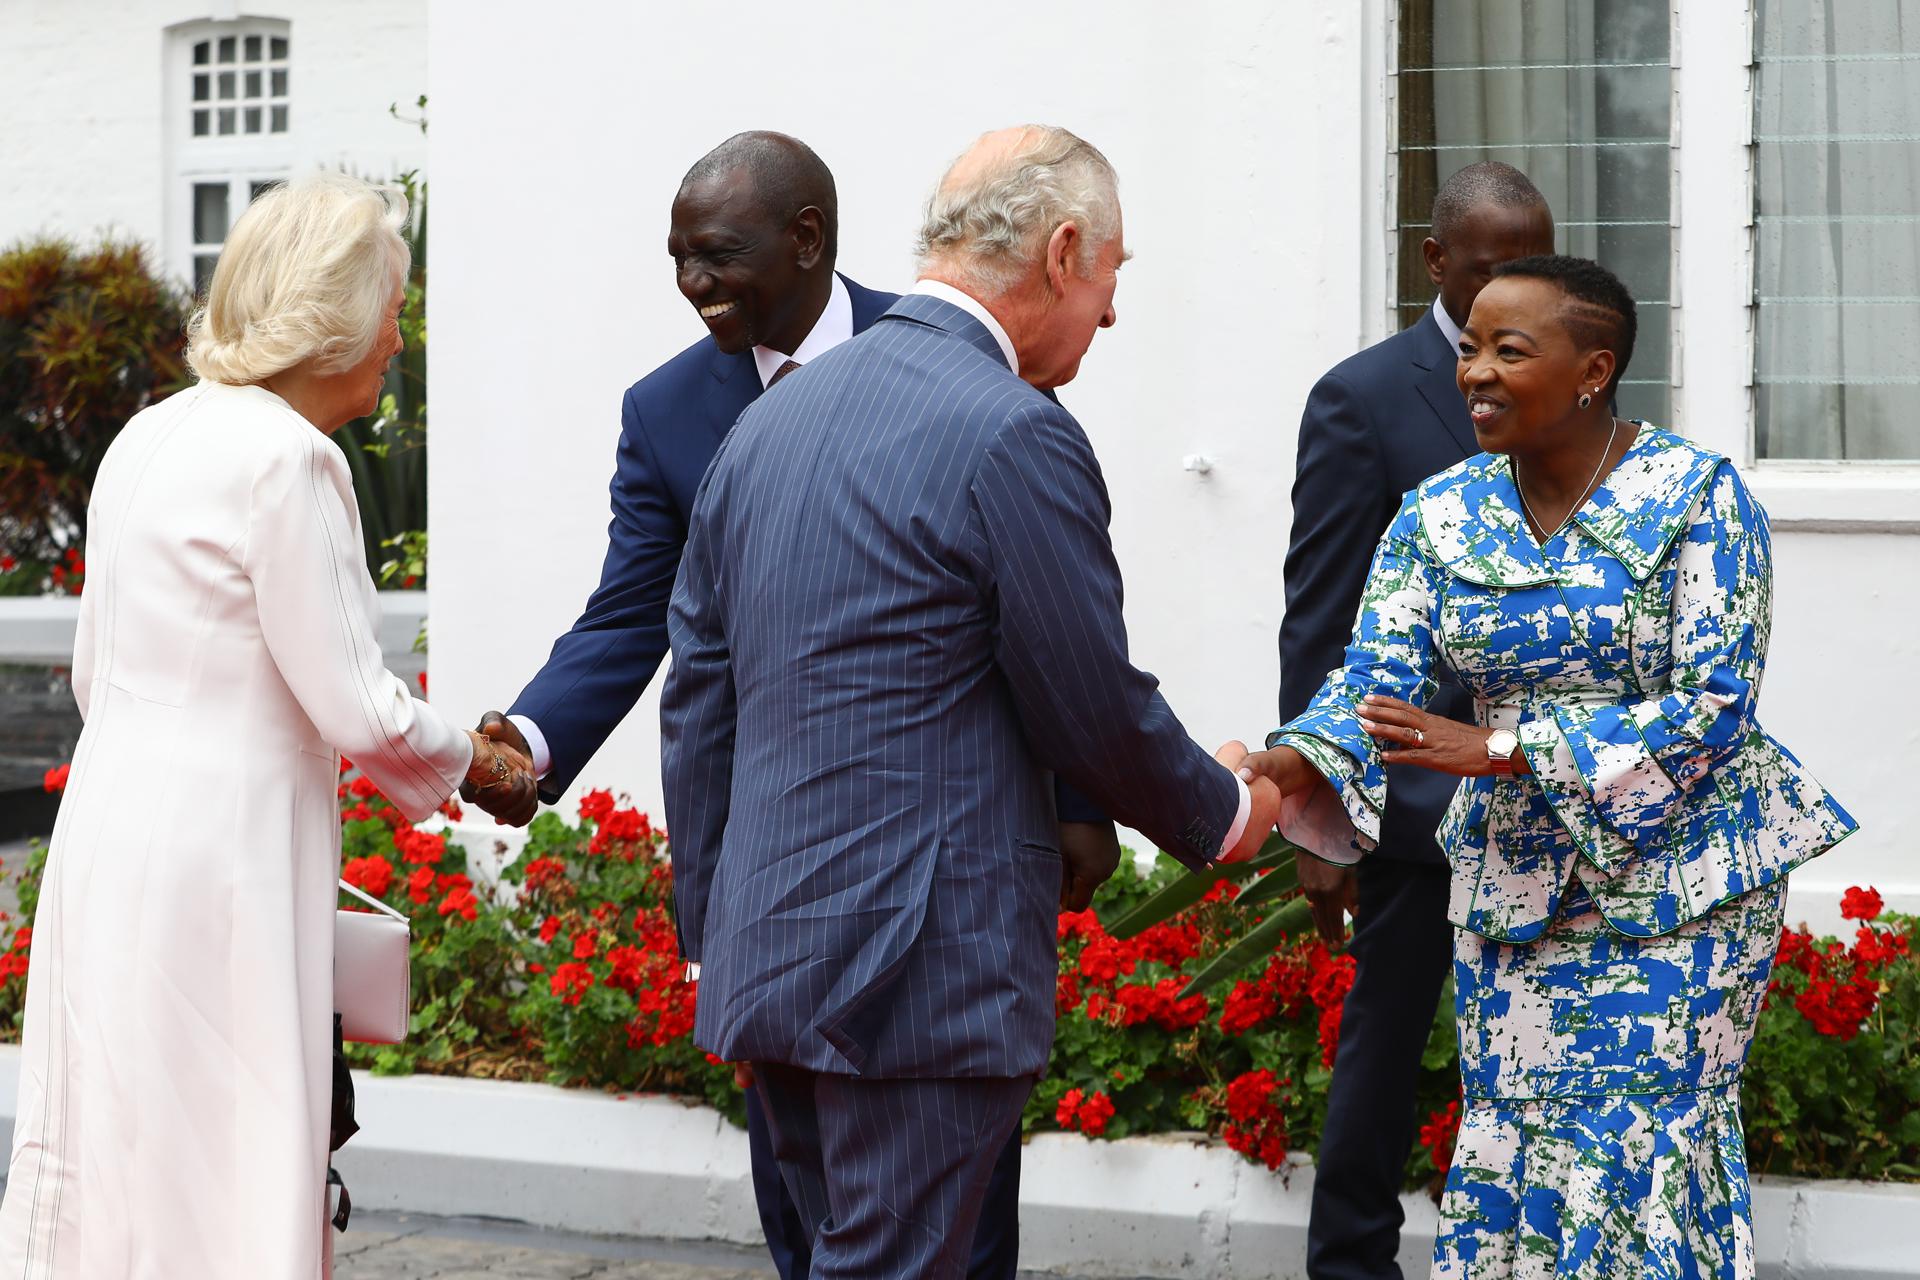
(948, 1204)
(1403, 949)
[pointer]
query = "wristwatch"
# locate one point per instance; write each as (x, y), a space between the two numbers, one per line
(1501, 745)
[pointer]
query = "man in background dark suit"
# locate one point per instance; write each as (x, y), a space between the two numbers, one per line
(898, 614)
(1376, 426)
(754, 233)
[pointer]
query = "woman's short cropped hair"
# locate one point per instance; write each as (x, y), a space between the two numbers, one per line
(1599, 312)
(307, 274)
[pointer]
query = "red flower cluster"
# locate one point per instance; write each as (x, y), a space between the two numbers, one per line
(571, 981)
(56, 779)
(1257, 1124)
(1843, 983)
(371, 875)
(419, 848)
(70, 575)
(1104, 959)
(14, 963)
(1305, 972)
(623, 831)
(1087, 1113)
(1861, 904)
(1438, 1135)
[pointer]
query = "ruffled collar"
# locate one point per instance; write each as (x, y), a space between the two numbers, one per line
(1471, 514)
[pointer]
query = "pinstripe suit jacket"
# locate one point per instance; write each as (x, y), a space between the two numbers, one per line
(898, 609)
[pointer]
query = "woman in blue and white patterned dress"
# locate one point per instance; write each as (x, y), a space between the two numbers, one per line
(1621, 840)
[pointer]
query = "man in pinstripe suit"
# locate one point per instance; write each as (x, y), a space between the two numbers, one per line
(899, 611)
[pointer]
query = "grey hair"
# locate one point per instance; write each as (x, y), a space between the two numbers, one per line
(307, 274)
(991, 225)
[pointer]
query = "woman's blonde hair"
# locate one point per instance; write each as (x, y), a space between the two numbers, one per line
(308, 273)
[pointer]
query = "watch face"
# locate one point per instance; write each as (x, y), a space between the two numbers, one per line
(1502, 743)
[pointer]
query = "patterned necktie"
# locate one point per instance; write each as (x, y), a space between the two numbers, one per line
(782, 372)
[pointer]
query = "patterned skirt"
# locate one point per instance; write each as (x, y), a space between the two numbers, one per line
(1600, 1134)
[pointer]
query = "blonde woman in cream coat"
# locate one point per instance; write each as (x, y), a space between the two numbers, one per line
(176, 1060)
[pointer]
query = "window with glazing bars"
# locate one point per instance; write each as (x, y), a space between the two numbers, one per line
(239, 85)
(1837, 243)
(1575, 95)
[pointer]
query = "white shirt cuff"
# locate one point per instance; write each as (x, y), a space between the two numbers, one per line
(537, 744)
(1239, 827)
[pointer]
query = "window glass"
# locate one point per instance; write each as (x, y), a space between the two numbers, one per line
(1575, 95)
(1837, 243)
(209, 212)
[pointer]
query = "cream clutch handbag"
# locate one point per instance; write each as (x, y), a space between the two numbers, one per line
(372, 971)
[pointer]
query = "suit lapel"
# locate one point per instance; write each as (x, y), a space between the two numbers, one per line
(736, 384)
(1438, 385)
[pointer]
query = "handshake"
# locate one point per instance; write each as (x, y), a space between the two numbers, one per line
(501, 780)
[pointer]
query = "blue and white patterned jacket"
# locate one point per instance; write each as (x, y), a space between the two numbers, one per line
(1626, 653)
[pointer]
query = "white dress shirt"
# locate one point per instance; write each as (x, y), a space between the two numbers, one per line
(1447, 326)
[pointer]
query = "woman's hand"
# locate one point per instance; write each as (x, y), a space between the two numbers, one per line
(1408, 735)
(500, 779)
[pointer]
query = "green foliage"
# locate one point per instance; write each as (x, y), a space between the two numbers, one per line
(387, 451)
(88, 338)
(1826, 1096)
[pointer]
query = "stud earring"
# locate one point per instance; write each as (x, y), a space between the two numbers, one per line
(1585, 399)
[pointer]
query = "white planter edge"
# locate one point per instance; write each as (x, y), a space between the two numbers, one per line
(1174, 1207)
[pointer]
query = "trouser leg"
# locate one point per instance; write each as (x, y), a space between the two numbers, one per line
(996, 1238)
(1402, 948)
(787, 1236)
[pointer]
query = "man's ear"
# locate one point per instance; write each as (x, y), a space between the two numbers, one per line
(809, 232)
(1063, 247)
(1436, 256)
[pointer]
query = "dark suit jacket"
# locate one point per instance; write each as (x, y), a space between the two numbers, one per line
(1375, 426)
(671, 423)
(899, 608)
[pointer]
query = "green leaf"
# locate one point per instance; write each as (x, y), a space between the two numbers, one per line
(1284, 878)
(1189, 889)
(1254, 946)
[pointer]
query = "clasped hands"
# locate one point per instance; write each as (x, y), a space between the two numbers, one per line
(501, 781)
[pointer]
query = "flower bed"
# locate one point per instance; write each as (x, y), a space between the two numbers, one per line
(575, 978)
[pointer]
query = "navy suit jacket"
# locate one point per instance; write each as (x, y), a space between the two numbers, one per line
(671, 423)
(899, 608)
(1375, 426)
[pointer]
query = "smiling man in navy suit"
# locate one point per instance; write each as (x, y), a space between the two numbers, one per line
(754, 232)
(1375, 426)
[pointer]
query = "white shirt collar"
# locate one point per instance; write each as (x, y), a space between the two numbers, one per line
(1447, 327)
(834, 327)
(971, 305)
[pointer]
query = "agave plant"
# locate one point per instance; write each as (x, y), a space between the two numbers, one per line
(1269, 876)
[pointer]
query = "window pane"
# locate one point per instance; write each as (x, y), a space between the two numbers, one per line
(203, 274)
(226, 84)
(200, 52)
(253, 48)
(255, 189)
(279, 120)
(200, 124)
(200, 88)
(1577, 97)
(253, 84)
(252, 119)
(279, 84)
(279, 48)
(226, 120)
(226, 48)
(1837, 243)
(209, 212)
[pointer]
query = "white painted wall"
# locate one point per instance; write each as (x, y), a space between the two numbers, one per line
(1250, 139)
(83, 97)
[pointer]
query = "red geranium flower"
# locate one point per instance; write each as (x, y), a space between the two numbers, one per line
(56, 779)
(1861, 904)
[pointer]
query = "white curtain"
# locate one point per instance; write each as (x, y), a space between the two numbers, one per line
(1837, 104)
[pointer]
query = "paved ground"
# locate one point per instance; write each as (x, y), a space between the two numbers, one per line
(381, 1246)
(411, 1247)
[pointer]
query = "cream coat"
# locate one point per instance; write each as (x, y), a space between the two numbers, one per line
(174, 1092)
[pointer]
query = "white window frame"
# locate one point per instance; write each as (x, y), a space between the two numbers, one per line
(239, 160)
(1714, 83)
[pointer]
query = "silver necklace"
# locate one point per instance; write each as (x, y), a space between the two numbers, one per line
(1548, 534)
